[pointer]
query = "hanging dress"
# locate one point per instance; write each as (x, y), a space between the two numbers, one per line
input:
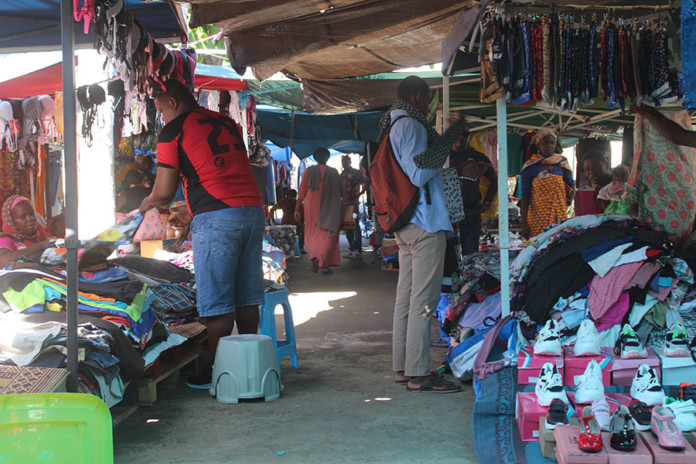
(546, 181)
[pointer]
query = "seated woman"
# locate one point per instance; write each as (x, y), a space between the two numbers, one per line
(21, 232)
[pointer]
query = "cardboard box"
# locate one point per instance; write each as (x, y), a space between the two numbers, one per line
(623, 370)
(546, 439)
(663, 456)
(641, 455)
(529, 365)
(575, 366)
(676, 370)
(528, 414)
(567, 451)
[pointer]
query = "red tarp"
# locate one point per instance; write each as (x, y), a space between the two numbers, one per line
(219, 83)
(45, 81)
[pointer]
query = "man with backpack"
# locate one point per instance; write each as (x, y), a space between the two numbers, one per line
(419, 226)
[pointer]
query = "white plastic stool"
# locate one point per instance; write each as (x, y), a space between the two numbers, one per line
(245, 367)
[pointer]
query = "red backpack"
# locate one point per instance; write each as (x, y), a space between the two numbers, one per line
(394, 195)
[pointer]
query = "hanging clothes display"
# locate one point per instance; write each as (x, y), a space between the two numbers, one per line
(566, 60)
(665, 175)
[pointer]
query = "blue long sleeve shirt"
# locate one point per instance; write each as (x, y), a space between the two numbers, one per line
(409, 138)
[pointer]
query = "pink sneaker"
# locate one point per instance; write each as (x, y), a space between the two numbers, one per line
(663, 427)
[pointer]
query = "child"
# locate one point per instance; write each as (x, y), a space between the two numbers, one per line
(620, 195)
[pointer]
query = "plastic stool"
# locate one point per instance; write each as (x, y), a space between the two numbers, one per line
(267, 325)
(245, 367)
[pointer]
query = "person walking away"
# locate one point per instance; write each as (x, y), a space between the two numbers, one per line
(547, 186)
(321, 199)
(206, 150)
(470, 226)
(354, 184)
(421, 242)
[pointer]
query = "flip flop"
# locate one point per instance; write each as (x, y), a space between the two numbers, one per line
(402, 381)
(326, 271)
(436, 384)
(315, 265)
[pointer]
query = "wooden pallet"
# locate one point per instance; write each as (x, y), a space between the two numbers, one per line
(147, 387)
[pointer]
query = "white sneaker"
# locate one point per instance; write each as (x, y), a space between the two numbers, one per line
(549, 342)
(350, 255)
(587, 343)
(590, 386)
(676, 342)
(549, 385)
(684, 414)
(646, 388)
(600, 409)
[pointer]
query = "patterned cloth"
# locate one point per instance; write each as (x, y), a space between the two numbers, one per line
(666, 176)
(548, 199)
(9, 228)
(21, 380)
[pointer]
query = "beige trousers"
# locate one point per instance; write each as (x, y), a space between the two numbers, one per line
(421, 261)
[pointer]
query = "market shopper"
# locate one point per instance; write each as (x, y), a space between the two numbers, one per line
(321, 201)
(547, 186)
(207, 151)
(354, 184)
(421, 242)
(22, 234)
(470, 227)
(596, 167)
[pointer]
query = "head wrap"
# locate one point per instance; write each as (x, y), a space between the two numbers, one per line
(8, 225)
(539, 136)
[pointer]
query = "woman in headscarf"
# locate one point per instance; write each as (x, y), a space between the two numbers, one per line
(547, 186)
(21, 232)
(321, 195)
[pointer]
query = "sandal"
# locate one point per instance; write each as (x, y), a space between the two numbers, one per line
(400, 377)
(326, 270)
(436, 384)
(315, 265)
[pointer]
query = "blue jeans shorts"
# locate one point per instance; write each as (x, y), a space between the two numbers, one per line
(227, 257)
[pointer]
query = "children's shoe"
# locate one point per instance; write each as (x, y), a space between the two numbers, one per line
(549, 385)
(558, 414)
(628, 346)
(548, 342)
(600, 410)
(684, 413)
(687, 391)
(676, 343)
(645, 386)
(665, 430)
(590, 438)
(587, 343)
(641, 415)
(590, 386)
(623, 432)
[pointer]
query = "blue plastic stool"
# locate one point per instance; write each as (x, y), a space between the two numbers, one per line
(267, 325)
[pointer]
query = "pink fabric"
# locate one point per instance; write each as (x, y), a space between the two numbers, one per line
(615, 314)
(606, 291)
(8, 244)
(644, 275)
(317, 241)
(17, 200)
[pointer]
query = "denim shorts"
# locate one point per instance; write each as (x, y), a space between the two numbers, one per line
(227, 257)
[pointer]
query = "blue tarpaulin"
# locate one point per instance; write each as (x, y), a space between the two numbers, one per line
(34, 25)
(345, 132)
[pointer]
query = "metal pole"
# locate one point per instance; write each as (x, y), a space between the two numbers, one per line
(445, 101)
(70, 153)
(501, 110)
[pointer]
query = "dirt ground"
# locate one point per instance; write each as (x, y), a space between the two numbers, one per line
(341, 406)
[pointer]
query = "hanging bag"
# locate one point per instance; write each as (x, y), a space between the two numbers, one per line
(453, 195)
(348, 222)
